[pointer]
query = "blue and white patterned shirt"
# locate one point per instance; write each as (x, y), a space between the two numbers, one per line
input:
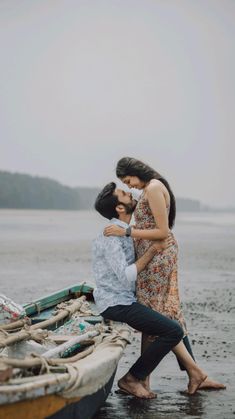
(114, 269)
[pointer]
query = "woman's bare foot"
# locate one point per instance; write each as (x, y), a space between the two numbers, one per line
(209, 384)
(196, 378)
(131, 385)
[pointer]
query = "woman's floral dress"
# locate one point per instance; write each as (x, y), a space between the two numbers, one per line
(157, 284)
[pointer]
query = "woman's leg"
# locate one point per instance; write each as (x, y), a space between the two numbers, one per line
(208, 383)
(185, 359)
(189, 349)
(195, 373)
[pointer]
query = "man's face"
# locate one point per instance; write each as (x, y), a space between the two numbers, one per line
(126, 199)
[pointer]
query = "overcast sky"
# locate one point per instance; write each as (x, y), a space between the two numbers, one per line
(83, 83)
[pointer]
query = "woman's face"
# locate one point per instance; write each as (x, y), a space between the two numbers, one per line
(133, 182)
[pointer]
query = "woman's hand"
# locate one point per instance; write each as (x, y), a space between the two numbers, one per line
(114, 230)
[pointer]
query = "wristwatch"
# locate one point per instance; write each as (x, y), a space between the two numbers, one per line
(128, 231)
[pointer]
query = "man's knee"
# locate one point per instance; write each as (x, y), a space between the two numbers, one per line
(178, 332)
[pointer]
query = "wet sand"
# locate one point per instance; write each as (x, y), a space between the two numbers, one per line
(207, 266)
(212, 337)
(42, 251)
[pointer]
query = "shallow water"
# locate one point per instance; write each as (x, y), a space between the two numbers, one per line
(42, 251)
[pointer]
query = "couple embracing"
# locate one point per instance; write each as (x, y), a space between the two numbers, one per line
(135, 270)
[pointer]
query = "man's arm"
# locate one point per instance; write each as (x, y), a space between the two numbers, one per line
(157, 247)
(115, 258)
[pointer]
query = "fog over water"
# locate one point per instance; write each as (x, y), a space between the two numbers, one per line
(84, 83)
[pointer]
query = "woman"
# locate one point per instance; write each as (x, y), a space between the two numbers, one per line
(157, 285)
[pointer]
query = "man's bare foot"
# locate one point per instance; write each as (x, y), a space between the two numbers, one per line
(146, 385)
(209, 384)
(131, 385)
(196, 378)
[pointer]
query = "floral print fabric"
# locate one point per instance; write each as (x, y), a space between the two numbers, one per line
(157, 285)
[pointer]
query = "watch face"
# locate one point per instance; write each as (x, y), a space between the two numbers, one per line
(128, 231)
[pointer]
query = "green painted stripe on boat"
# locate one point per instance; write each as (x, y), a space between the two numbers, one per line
(55, 298)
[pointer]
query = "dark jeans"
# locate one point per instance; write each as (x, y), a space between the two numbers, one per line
(151, 322)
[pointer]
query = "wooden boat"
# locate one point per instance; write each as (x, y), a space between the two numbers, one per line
(71, 379)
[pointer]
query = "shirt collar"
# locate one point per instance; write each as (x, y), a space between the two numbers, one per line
(119, 222)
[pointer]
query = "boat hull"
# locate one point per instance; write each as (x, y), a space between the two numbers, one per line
(57, 407)
(87, 406)
(43, 396)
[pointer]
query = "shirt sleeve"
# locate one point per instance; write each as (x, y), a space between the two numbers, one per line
(116, 260)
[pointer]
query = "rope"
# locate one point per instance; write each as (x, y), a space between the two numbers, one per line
(64, 307)
(4, 332)
(44, 364)
(73, 381)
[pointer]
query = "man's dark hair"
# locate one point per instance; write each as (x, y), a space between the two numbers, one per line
(106, 201)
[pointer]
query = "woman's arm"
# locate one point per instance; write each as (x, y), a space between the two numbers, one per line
(157, 203)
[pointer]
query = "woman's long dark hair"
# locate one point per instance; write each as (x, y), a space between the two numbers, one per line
(129, 166)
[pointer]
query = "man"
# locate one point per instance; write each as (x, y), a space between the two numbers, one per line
(115, 272)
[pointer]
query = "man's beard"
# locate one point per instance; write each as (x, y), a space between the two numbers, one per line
(130, 207)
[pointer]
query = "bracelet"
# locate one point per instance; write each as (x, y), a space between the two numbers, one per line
(128, 231)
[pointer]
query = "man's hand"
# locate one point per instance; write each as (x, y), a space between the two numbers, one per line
(155, 248)
(161, 245)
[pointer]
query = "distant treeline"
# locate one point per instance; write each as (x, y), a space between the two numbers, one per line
(24, 191)
(29, 192)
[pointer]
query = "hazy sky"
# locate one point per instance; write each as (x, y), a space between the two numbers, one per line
(83, 83)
